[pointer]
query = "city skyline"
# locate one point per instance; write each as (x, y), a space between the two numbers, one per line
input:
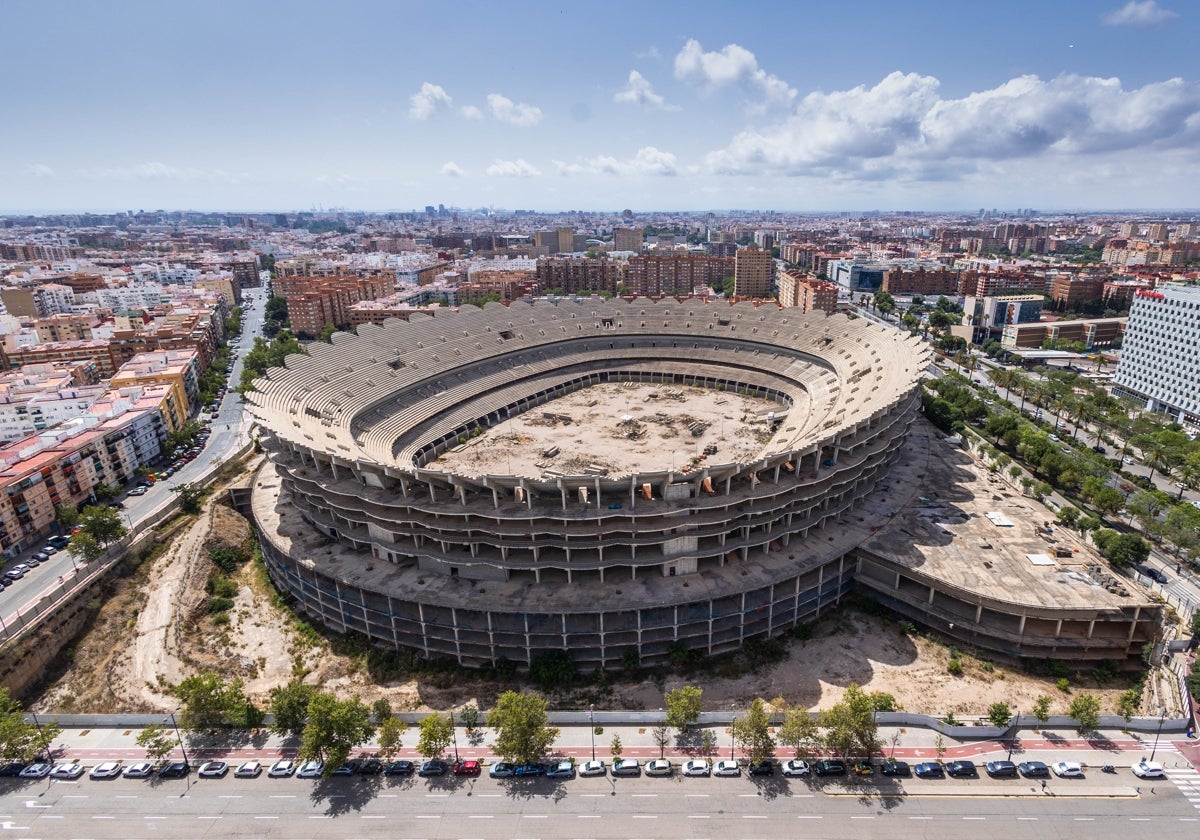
(796, 107)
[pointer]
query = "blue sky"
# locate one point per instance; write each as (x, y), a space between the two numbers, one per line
(253, 105)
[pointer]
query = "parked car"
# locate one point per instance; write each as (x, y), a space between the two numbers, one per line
(38, 770)
(466, 768)
(1068, 770)
(282, 768)
(1033, 769)
(174, 770)
(137, 491)
(592, 768)
(1148, 770)
(106, 770)
(248, 770)
(67, 771)
(532, 768)
(766, 767)
(862, 768)
(311, 770)
(892, 767)
(929, 770)
(696, 767)
(502, 770)
(561, 770)
(962, 769)
(371, 767)
(1001, 769)
(433, 767)
(626, 767)
(830, 767)
(795, 768)
(658, 767)
(348, 769)
(138, 770)
(399, 768)
(12, 769)
(727, 767)
(213, 770)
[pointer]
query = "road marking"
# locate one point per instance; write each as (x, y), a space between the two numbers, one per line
(644, 816)
(428, 816)
(535, 816)
(1027, 818)
(373, 816)
(644, 795)
(920, 818)
(267, 818)
(318, 817)
(52, 817)
(1084, 819)
(208, 818)
(747, 795)
(479, 816)
(810, 817)
(230, 796)
(863, 818)
(489, 795)
(1139, 819)
(436, 795)
(101, 817)
(283, 796)
(593, 794)
(753, 817)
(125, 796)
(974, 818)
(704, 795)
(698, 816)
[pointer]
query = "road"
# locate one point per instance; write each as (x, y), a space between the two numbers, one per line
(592, 808)
(230, 432)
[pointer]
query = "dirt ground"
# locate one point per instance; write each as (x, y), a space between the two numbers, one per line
(155, 630)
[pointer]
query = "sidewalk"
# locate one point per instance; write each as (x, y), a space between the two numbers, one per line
(1109, 747)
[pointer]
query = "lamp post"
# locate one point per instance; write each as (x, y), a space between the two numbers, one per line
(732, 730)
(1012, 741)
(42, 737)
(453, 735)
(179, 735)
(1162, 715)
(592, 727)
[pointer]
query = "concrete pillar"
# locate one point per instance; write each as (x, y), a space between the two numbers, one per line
(978, 613)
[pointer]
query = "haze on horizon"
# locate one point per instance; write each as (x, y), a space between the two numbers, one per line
(1074, 105)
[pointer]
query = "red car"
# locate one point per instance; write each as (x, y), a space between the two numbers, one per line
(466, 768)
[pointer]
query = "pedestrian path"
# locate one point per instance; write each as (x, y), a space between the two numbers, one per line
(1188, 782)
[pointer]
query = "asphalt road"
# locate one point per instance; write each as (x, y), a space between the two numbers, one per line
(588, 808)
(229, 433)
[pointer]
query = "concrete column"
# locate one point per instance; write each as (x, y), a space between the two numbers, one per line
(978, 613)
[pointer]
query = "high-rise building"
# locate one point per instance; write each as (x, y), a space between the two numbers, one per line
(1159, 364)
(566, 240)
(627, 239)
(809, 294)
(754, 272)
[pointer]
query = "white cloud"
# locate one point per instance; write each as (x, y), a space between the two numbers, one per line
(428, 101)
(647, 161)
(513, 169)
(341, 181)
(452, 169)
(901, 127)
(516, 113)
(1139, 13)
(158, 171)
(638, 91)
(470, 112)
(733, 65)
(40, 170)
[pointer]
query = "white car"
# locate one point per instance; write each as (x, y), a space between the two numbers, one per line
(248, 770)
(213, 769)
(36, 771)
(282, 768)
(310, 770)
(139, 770)
(795, 767)
(696, 767)
(626, 767)
(727, 767)
(67, 771)
(1148, 770)
(592, 768)
(106, 770)
(1068, 770)
(658, 767)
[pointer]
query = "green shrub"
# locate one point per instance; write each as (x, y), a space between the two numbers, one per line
(220, 605)
(954, 668)
(1064, 685)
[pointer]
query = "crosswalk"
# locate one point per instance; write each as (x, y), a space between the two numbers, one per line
(1188, 782)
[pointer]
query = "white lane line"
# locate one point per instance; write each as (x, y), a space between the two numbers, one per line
(589, 816)
(436, 795)
(920, 818)
(644, 795)
(697, 795)
(974, 818)
(810, 817)
(593, 794)
(153, 817)
(699, 816)
(267, 818)
(124, 796)
(1028, 819)
(102, 817)
(747, 795)
(644, 816)
(428, 816)
(1084, 819)
(318, 817)
(753, 816)
(535, 816)
(283, 796)
(373, 816)
(489, 795)
(1139, 819)
(208, 818)
(863, 818)
(479, 816)
(230, 796)
(52, 817)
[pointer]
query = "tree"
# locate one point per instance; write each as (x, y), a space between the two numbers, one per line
(708, 743)
(289, 705)
(102, 523)
(662, 737)
(1121, 549)
(552, 669)
(209, 701)
(190, 496)
(683, 706)
(326, 333)
(19, 740)
(753, 732)
(520, 723)
(999, 714)
(468, 716)
(1068, 516)
(939, 746)
(884, 302)
(436, 732)
(1085, 708)
(850, 724)
(381, 710)
(391, 733)
(1129, 702)
(799, 732)
(615, 746)
(67, 517)
(157, 741)
(86, 547)
(334, 728)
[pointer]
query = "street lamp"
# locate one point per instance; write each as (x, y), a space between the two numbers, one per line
(1012, 741)
(179, 735)
(1162, 715)
(42, 737)
(454, 735)
(732, 731)
(592, 727)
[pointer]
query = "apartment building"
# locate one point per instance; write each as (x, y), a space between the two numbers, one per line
(314, 302)
(808, 293)
(921, 281)
(627, 239)
(1159, 363)
(179, 370)
(753, 273)
(1091, 332)
(675, 274)
(1070, 291)
(573, 275)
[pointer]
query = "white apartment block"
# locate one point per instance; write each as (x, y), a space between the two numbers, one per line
(132, 297)
(1160, 362)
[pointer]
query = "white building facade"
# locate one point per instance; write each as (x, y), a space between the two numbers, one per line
(1160, 362)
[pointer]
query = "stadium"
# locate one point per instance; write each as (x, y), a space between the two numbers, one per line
(596, 477)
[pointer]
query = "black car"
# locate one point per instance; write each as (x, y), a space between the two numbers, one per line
(398, 768)
(765, 767)
(830, 767)
(347, 769)
(1033, 770)
(370, 767)
(13, 768)
(1001, 769)
(433, 768)
(892, 767)
(929, 770)
(174, 770)
(962, 769)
